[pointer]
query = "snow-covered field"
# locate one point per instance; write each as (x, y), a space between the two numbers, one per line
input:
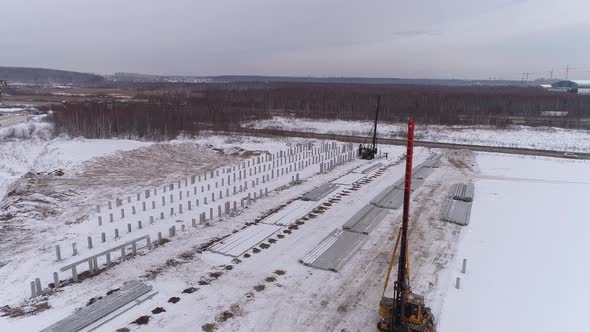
(527, 249)
(543, 138)
(527, 212)
(40, 155)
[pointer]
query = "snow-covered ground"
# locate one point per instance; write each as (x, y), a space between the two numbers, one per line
(525, 208)
(527, 249)
(12, 109)
(543, 138)
(40, 155)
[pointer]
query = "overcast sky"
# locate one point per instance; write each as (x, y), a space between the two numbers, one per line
(368, 38)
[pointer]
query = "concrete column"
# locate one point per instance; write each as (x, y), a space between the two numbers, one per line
(55, 280)
(202, 218)
(218, 210)
(123, 254)
(74, 274)
(57, 253)
(211, 214)
(458, 283)
(74, 249)
(159, 237)
(235, 206)
(464, 267)
(38, 288)
(109, 262)
(227, 207)
(133, 248)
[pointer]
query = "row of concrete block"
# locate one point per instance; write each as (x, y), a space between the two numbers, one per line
(93, 261)
(140, 225)
(241, 175)
(247, 200)
(277, 159)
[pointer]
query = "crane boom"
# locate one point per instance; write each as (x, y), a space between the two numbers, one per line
(374, 142)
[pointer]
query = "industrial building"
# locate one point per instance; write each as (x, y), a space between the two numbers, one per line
(574, 86)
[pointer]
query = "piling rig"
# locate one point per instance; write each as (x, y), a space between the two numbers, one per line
(369, 151)
(405, 311)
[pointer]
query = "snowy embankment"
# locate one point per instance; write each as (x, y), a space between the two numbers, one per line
(543, 138)
(36, 154)
(526, 247)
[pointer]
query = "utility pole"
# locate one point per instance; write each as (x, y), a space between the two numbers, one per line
(567, 72)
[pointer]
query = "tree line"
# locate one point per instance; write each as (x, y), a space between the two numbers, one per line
(191, 108)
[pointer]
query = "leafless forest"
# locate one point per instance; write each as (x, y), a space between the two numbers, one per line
(195, 107)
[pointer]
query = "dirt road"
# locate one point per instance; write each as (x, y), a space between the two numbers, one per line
(394, 141)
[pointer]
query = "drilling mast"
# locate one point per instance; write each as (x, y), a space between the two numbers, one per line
(405, 312)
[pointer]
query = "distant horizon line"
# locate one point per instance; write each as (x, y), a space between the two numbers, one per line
(489, 79)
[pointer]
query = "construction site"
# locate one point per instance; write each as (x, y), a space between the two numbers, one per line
(294, 166)
(239, 233)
